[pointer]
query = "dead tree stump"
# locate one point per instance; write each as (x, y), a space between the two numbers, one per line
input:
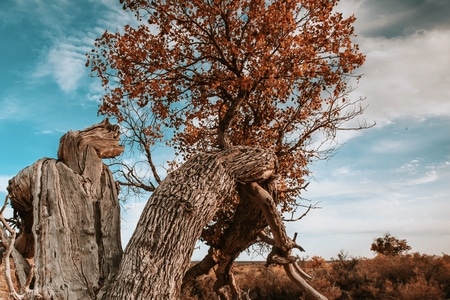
(70, 215)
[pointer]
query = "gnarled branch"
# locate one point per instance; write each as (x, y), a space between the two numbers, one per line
(282, 244)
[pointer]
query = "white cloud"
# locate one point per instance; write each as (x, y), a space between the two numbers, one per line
(363, 197)
(65, 62)
(14, 107)
(342, 171)
(351, 225)
(65, 59)
(406, 76)
(389, 146)
(10, 109)
(425, 178)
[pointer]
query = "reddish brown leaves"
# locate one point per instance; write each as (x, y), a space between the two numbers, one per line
(239, 72)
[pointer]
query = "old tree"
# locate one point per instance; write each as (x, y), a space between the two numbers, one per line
(247, 92)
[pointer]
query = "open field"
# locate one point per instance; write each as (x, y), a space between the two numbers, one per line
(407, 277)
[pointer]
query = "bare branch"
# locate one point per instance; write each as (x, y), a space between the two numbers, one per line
(309, 207)
(8, 242)
(294, 276)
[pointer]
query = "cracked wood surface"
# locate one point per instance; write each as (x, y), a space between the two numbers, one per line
(70, 215)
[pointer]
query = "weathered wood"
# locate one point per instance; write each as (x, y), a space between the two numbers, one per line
(22, 266)
(267, 205)
(282, 243)
(295, 277)
(159, 251)
(70, 207)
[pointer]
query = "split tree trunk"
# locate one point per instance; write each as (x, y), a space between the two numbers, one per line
(248, 222)
(70, 215)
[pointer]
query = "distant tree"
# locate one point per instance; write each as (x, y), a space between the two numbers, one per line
(389, 245)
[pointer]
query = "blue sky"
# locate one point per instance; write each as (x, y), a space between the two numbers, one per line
(394, 177)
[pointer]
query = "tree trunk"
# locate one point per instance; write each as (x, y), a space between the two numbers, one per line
(247, 223)
(160, 249)
(70, 209)
(242, 233)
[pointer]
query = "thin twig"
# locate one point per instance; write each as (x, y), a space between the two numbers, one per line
(309, 207)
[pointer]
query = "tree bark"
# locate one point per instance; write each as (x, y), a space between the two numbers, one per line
(247, 223)
(70, 209)
(242, 233)
(160, 249)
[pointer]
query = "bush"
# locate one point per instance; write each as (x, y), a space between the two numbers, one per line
(409, 277)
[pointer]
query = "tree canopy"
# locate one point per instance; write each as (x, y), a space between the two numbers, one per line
(218, 73)
(389, 245)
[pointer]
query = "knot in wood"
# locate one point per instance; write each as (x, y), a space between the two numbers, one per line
(249, 164)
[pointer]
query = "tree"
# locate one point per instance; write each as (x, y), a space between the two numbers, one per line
(247, 92)
(206, 75)
(389, 245)
(70, 209)
(220, 73)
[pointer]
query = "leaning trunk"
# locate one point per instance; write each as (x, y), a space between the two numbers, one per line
(248, 222)
(68, 214)
(160, 249)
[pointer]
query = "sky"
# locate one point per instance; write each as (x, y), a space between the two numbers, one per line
(392, 178)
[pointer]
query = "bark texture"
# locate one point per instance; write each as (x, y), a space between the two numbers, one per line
(159, 251)
(248, 222)
(70, 215)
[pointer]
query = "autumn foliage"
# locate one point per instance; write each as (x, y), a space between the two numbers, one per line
(389, 245)
(241, 72)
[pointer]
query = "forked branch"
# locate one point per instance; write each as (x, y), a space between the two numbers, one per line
(282, 244)
(292, 271)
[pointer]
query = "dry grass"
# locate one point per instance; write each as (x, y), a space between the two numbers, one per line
(4, 293)
(255, 280)
(408, 277)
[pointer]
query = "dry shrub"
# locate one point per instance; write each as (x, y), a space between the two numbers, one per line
(420, 289)
(260, 282)
(412, 276)
(203, 289)
(407, 277)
